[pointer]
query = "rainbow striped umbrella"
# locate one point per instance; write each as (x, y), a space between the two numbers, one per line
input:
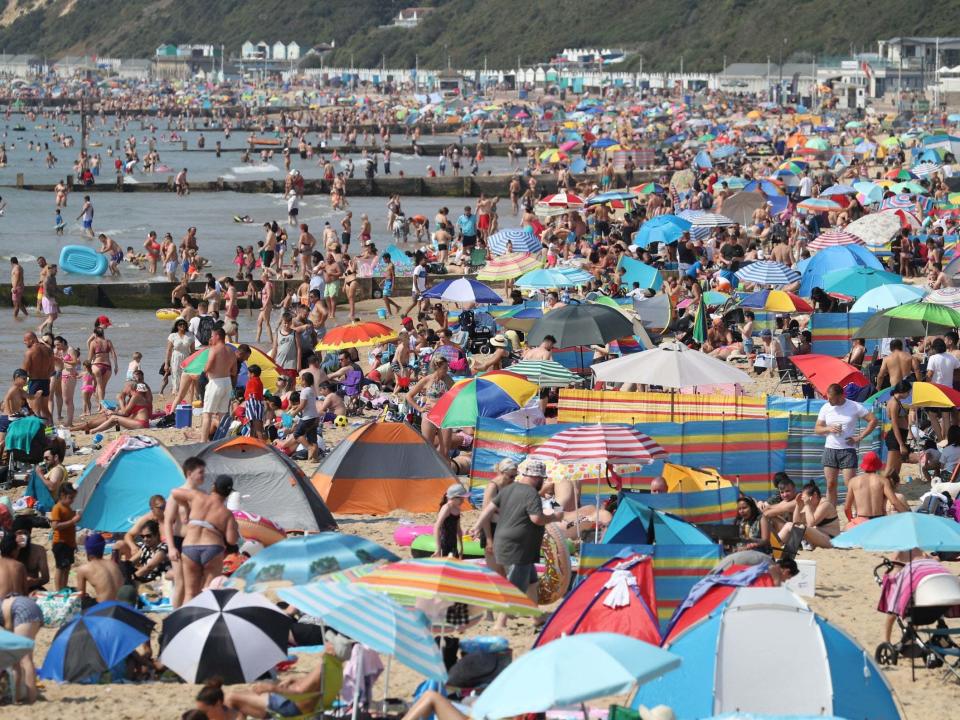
(356, 335)
(949, 296)
(194, 363)
(508, 267)
(489, 395)
(819, 205)
(451, 580)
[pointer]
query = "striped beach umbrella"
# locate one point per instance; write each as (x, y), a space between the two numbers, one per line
(819, 205)
(451, 580)
(563, 200)
(514, 240)
(925, 169)
(949, 296)
(610, 196)
(903, 201)
(194, 363)
(356, 334)
(768, 272)
(374, 620)
(544, 279)
(614, 444)
(545, 373)
(508, 267)
(576, 275)
(489, 395)
(833, 237)
(703, 225)
(462, 290)
(775, 301)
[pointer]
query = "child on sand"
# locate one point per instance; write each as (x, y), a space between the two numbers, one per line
(63, 520)
(88, 387)
(134, 365)
(446, 530)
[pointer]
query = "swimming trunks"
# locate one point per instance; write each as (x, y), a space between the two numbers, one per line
(49, 306)
(216, 399)
(387, 288)
(284, 707)
(43, 385)
(24, 610)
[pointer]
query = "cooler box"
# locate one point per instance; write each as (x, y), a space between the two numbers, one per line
(183, 416)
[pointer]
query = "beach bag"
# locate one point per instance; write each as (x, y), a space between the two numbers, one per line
(935, 503)
(58, 607)
(205, 329)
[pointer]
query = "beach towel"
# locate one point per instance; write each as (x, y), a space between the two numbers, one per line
(21, 433)
(39, 492)
(125, 442)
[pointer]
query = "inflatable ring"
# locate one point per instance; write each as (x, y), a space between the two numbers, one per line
(426, 546)
(167, 314)
(557, 571)
(256, 527)
(405, 534)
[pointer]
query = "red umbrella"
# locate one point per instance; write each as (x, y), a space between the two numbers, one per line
(823, 371)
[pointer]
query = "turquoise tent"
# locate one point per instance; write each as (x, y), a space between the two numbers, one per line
(637, 523)
(635, 271)
(113, 496)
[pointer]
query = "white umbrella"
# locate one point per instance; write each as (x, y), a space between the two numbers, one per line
(876, 229)
(671, 365)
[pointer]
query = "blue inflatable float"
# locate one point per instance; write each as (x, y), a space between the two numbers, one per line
(81, 260)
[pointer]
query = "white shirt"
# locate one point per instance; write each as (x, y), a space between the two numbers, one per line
(940, 368)
(806, 186)
(310, 410)
(846, 416)
(420, 278)
(293, 202)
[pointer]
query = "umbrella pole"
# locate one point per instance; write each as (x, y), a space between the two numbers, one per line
(356, 685)
(596, 523)
(386, 684)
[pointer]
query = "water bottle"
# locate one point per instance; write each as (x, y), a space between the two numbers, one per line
(908, 479)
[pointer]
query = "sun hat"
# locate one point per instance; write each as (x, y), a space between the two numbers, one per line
(871, 462)
(498, 341)
(533, 468)
(457, 491)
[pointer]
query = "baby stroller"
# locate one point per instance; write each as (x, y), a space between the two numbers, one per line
(25, 443)
(920, 596)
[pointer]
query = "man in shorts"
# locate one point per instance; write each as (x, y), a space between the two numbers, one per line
(837, 421)
(221, 372)
(86, 214)
(516, 544)
(467, 226)
(38, 364)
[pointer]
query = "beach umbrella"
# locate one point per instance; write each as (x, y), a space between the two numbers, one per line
(838, 190)
(304, 558)
(576, 275)
(13, 647)
(926, 169)
(909, 187)
(544, 279)
(903, 531)
(832, 258)
(768, 272)
(705, 222)
(194, 363)
(876, 229)
(563, 200)
(234, 635)
(886, 296)
(520, 318)
(882, 325)
(508, 267)
(823, 371)
(898, 202)
(721, 652)
(571, 670)
(462, 290)
(929, 313)
(650, 188)
(449, 580)
(516, 239)
(671, 365)
(602, 444)
(765, 186)
(948, 296)
(779, 301)
(94, 642)
(374, 620)
(832, 238)
(610, 196)
(857, 280)
(489, 395)
(899, 174)
(554, 155)
(741, 207)
(819, 205)
(923, 394)
(817, 144)
(581, 325)
(786, 178)
(661, 229)
(356, 334)
(545, 373)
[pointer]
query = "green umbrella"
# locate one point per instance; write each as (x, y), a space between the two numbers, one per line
(857, 280)
(929, 313)
(545, 373)
(884, 326)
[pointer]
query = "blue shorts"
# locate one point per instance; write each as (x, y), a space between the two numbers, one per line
(284, 707)
(388, 288)
(87, 224)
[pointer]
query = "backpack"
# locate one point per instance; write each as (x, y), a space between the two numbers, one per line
(205, 329)
(935, 503)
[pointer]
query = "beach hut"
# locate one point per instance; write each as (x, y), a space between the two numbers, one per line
(381, 467)
(115, 489)
(723, 654)
(268, 482)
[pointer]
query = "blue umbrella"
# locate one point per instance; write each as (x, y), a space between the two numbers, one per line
(768, 272)
(887, 296)
(13, 647)
(91, 644)
(767, 187)
(603, 142)
(374, 620)
(575, 274)
(603, 198)
(544, 279)
(839, 190)
(462, 290)
(725, 151)
(857, 280)
(833, 258)
(299, 560)
(522, 241)
(903, 531)
(662, 229)
(569, 670)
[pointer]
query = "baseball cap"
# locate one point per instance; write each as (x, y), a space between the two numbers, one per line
(94, 544)
(456, 491)
(870, 462)
(104, 321)
(766, 333)
(533, 468)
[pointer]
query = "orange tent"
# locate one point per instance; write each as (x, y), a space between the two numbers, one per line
(381, 467)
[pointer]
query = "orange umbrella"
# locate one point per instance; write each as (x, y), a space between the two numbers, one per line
(356, 335)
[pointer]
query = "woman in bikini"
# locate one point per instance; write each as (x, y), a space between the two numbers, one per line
(266, 307)
(101, 350)
(209, 530)
(897, 437)
(135, 415)
(351, 284)
(68, 379)
(431, 388)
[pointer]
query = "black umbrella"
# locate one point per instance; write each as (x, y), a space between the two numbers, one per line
(883, 326)
(94, 642)
(581, 325)
(227, 633)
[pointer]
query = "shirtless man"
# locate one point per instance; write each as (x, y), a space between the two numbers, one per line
(48, 302)
(13, 574)
(175, 520)
(269, 245)
(543, 351)
(113, 252)
(869, 493)
(897, 366)
(781, 253)
(127, 547)
(272, 699)
(221, 371)
(209, 530)
(305, 246)
(17, 288)
(168, 253)
(484, 216)
(38, 364)
(103, 575)
(14, 402)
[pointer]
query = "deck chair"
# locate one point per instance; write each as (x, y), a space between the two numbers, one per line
(351, 388)
(478, 258)
(787, 372)
(329, 691)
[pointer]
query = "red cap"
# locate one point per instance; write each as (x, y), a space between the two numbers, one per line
(104, 321)
(407, 322)
(871, 462)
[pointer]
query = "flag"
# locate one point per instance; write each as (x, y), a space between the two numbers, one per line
(700, 323)
(867, 70)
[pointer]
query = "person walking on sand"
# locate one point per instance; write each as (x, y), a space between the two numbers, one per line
(16, 288)
(210, 528)
(837, 421)
(175, 516)
(221, 372)
(86, 215)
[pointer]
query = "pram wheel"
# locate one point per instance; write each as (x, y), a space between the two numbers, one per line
(932, 661)
(885, 654)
